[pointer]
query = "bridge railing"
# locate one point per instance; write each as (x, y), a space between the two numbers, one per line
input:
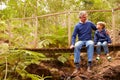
(35, 31)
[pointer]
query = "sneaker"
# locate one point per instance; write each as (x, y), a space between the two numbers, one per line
(109, 58)
(97, 58)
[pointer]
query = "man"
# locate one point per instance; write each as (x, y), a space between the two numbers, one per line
(83, 30)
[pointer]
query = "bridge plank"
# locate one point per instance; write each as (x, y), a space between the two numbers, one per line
(68, 50)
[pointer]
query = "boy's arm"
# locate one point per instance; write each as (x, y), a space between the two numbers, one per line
(108, 37)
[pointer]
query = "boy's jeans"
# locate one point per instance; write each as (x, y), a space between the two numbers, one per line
(90, 49)
(104, 45)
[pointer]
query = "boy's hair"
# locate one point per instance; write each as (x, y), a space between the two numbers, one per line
(101, 24)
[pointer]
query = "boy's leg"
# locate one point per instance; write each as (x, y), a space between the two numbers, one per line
(105, 47)
(106, 50)
(98, 48)
(90, 51)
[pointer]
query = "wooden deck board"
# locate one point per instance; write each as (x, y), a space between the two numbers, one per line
(67, 50)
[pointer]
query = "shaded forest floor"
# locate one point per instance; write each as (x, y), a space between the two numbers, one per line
(102, 70)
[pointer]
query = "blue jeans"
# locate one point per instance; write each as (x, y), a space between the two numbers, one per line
(104, 45)
(90, 49)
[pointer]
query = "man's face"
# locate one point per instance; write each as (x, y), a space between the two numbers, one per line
(83, 18)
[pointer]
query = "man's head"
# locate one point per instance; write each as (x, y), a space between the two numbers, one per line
(83, 16)
(101, 25)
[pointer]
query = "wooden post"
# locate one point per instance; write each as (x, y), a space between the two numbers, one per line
(6, 70)
(36, 34)
(113, 26)
(69, 29)
(9, 31)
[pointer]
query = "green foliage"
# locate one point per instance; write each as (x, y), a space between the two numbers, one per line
(17, 61)
(51, 30)
(3, 31)
(36, 77)
(113, 3)
(63, 58)
(22, 33)
(3, 26)
(54, 38)
(38, 7)
(4, 48)
(25, 75)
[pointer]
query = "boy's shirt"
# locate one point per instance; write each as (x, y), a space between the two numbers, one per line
(101, 36)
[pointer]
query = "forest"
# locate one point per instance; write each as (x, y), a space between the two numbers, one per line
(49, 24)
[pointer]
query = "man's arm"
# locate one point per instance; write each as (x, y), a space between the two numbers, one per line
(93, 26)
(74, 37)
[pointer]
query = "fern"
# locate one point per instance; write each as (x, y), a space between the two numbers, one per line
(18, 60)
(58, 37)
(63, 58)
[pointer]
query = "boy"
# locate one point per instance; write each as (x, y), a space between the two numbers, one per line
(102, 39)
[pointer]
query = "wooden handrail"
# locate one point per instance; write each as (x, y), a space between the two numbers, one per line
(65, 12)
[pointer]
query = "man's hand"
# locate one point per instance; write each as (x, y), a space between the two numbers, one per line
(109, 44)
(72, 46)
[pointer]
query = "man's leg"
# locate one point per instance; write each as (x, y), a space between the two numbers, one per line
(78, 46)
(90, 51)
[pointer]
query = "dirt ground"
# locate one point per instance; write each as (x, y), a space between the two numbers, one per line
(102, 70)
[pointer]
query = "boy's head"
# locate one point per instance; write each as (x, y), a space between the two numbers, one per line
(101, 25)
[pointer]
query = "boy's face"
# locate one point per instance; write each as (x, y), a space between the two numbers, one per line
(99, 26)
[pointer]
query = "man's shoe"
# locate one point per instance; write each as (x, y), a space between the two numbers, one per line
(89, 69)
(76, 72)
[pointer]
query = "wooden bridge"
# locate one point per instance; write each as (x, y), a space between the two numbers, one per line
(114, 32)
(67, 50)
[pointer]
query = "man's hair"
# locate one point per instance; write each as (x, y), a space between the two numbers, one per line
(82, 13)
(101, 24)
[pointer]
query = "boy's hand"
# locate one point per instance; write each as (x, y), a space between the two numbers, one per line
(72, 46)
(107, 32)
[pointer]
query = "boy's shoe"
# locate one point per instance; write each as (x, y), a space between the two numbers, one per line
(109, 58)
(98, 58)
